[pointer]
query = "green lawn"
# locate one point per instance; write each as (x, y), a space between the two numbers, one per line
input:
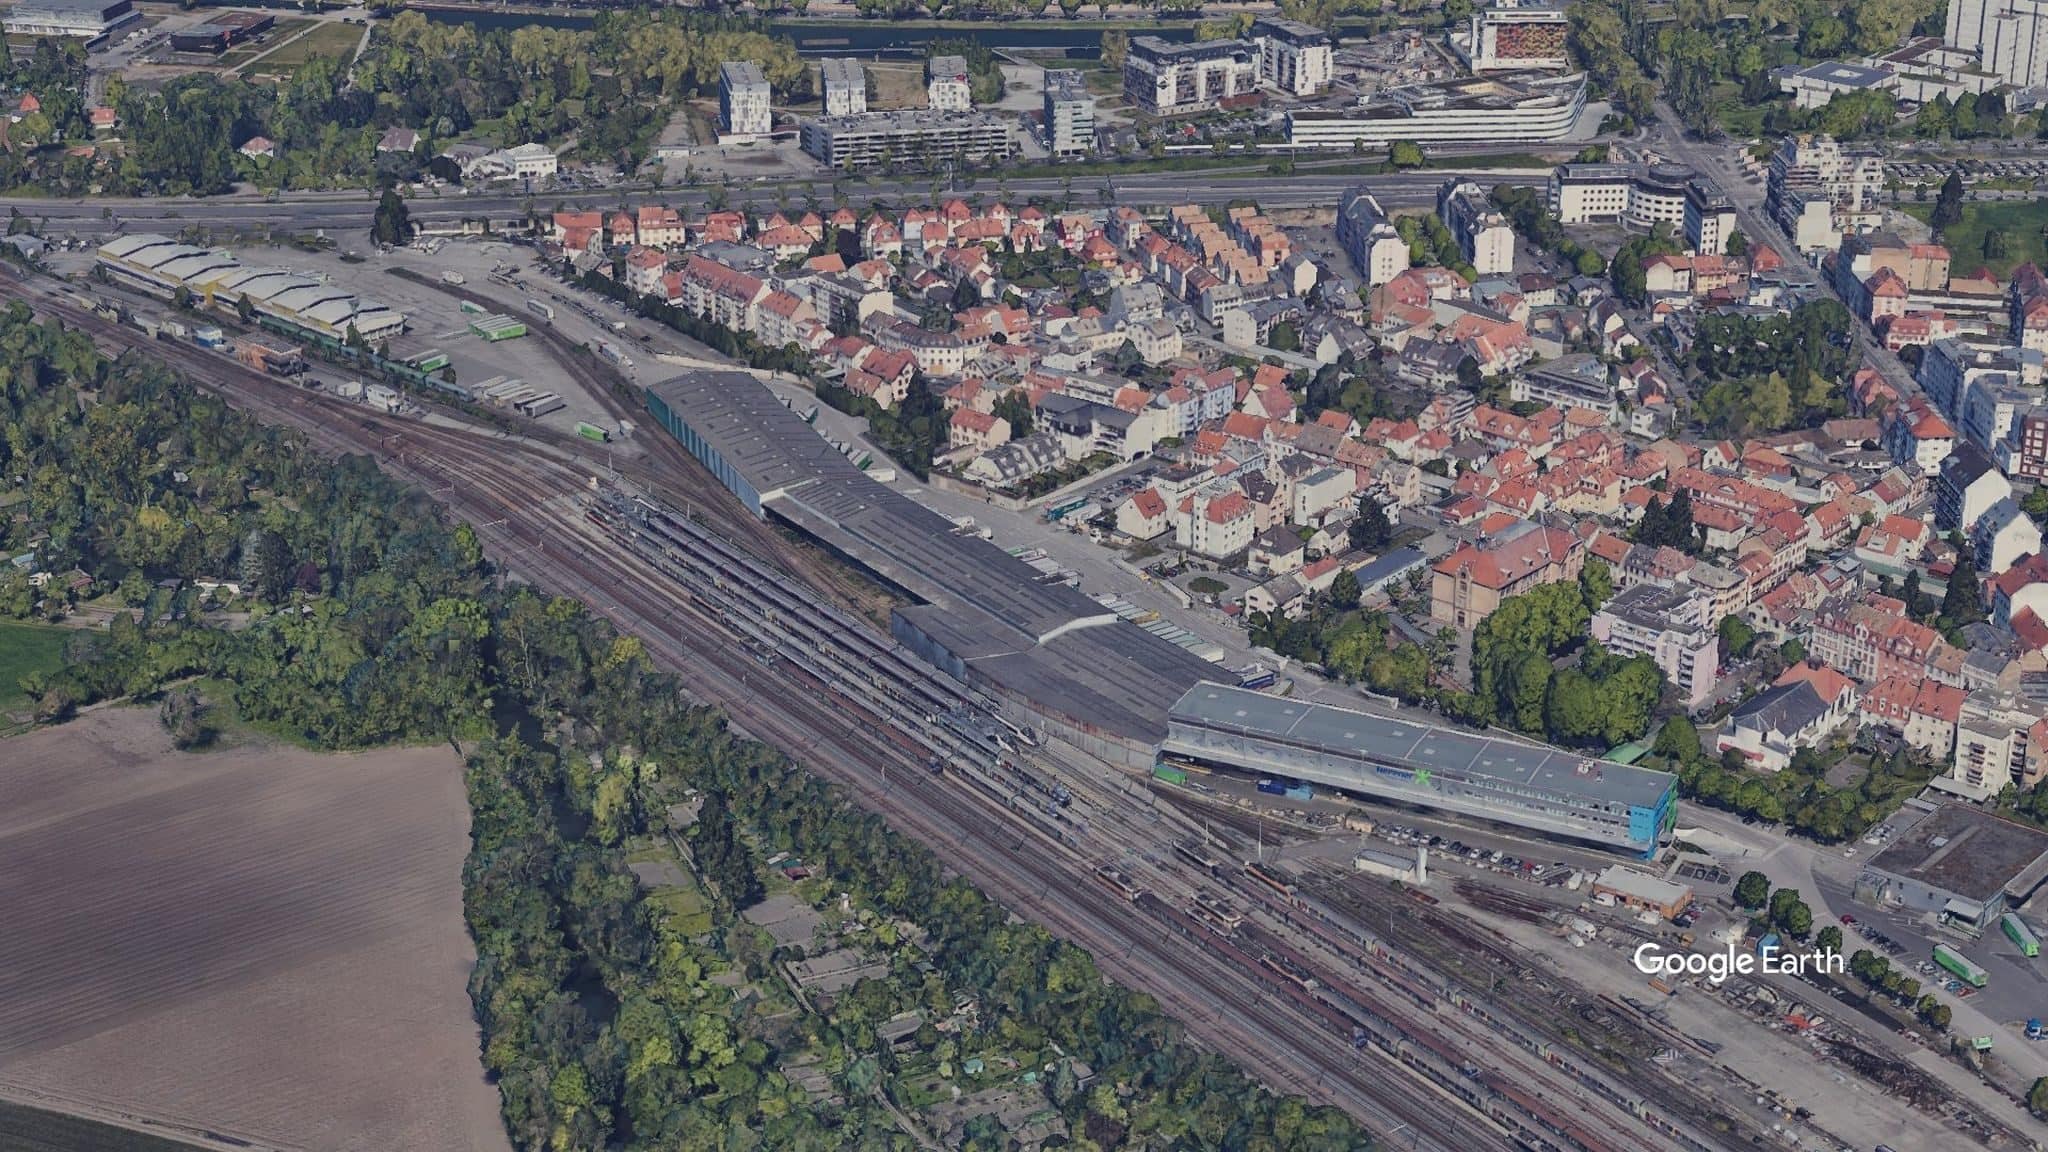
(2021, 222)
(332, 38)
(26, 648)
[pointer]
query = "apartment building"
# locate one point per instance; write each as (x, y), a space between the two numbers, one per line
(948, 87)
(1512, 36)
(1666, 625)
(2008, 37)
(1368, 236)
(1819, 191)
(1644, 196)
(1293, 57)
(845, 84)
(1069, 114)
(2001, 741)
(1169, 79)
(1483, 234)
(743, 100)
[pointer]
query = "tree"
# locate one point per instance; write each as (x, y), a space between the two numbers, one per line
(1737, 637)
(1115, 44)
(1370, 529)
(1752, 890)
(1829, 939)
(1738, 245)
(1678, 741)
(1948, 206)
(1963, 602)
(1405, 154)
(183, 714)
(393, 221)
(2037, 1099)
(1344, 591)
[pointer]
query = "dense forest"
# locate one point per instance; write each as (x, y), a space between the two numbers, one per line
(363, 618)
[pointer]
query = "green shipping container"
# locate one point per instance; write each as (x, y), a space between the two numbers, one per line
(593, 432)
(1170, 775)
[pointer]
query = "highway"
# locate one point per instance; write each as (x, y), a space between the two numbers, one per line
(344, 211)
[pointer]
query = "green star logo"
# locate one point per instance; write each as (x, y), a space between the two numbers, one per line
(1422, 777)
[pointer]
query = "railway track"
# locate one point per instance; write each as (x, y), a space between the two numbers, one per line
(496, 490)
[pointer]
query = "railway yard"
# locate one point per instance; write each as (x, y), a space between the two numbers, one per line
(1432, 1029)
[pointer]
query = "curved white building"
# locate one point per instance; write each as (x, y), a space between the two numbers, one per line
(160, 265)
(1507, 110)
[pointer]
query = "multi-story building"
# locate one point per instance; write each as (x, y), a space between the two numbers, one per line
(1968, 484)
(1644, 196)
(90, 20)
(1376, 249)
(2001, 741)
(1069, 114)
(1468, 584)
(1949, 367)
(743, 108)
(1512, 35)
(2010, 37)
(1664, 624)
(1483, 234)
(1167, 79)
(1293, 57)
(918, 138)
(845, 85)
(1522, 107)
(1819, 191)
(948, 87)
(1215, 524)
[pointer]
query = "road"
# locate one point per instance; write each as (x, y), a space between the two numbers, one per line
(342, 211)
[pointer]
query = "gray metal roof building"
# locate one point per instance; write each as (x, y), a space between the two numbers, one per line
(983, 615)
(1397, 760)
(1966, 865)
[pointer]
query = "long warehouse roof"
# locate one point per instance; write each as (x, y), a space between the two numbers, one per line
(1407, 742)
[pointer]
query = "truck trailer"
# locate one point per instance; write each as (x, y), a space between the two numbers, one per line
(2017, 931)
(1959, 966)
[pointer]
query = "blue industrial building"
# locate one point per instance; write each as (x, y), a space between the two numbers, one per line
(1396, 760)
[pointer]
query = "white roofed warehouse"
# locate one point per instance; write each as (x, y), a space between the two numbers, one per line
(160, 265)
(1396, 760)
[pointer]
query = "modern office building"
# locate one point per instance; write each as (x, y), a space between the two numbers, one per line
(1069, 114)
(1396, 760)
(845, 85)
(1512, 36)
(1376, 249)
(1664, 624)
(1168, 79)
(93, 21)
(919, 138)
(1506, 109)
(948, 88)
(1293, 57)
(1644, 196)
(222, 31)
(1483, 234)
(2009, 37)
(743, 100)
(1819, 191)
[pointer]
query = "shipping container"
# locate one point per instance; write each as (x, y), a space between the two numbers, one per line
(591, 431)
(1273, 787)
(545, 311)
(1169, 774)
(1959, 966)
(2017, 931)
(210, 337)
(1300, 792)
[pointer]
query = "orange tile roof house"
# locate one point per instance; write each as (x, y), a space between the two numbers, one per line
(1471, 582)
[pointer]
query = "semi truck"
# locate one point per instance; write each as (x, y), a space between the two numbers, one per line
(2017, 931)
(1959, 966)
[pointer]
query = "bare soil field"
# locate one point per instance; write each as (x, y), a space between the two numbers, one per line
(258, 943)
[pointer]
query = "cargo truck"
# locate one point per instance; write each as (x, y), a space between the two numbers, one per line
(2017, 931)
(1169, 774)
(1273, 787)
(591, 431)
(1299, 792)
(1959, 966)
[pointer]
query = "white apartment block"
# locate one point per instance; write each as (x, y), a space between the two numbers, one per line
(947, 85)
(1644, 196)
(845, 84)
(1294, 57)
(1818, 191)
(2009, 37)
(1166, 79)
(1366, 233)
(743, 99)
(1482, 233)
(1664, 624)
